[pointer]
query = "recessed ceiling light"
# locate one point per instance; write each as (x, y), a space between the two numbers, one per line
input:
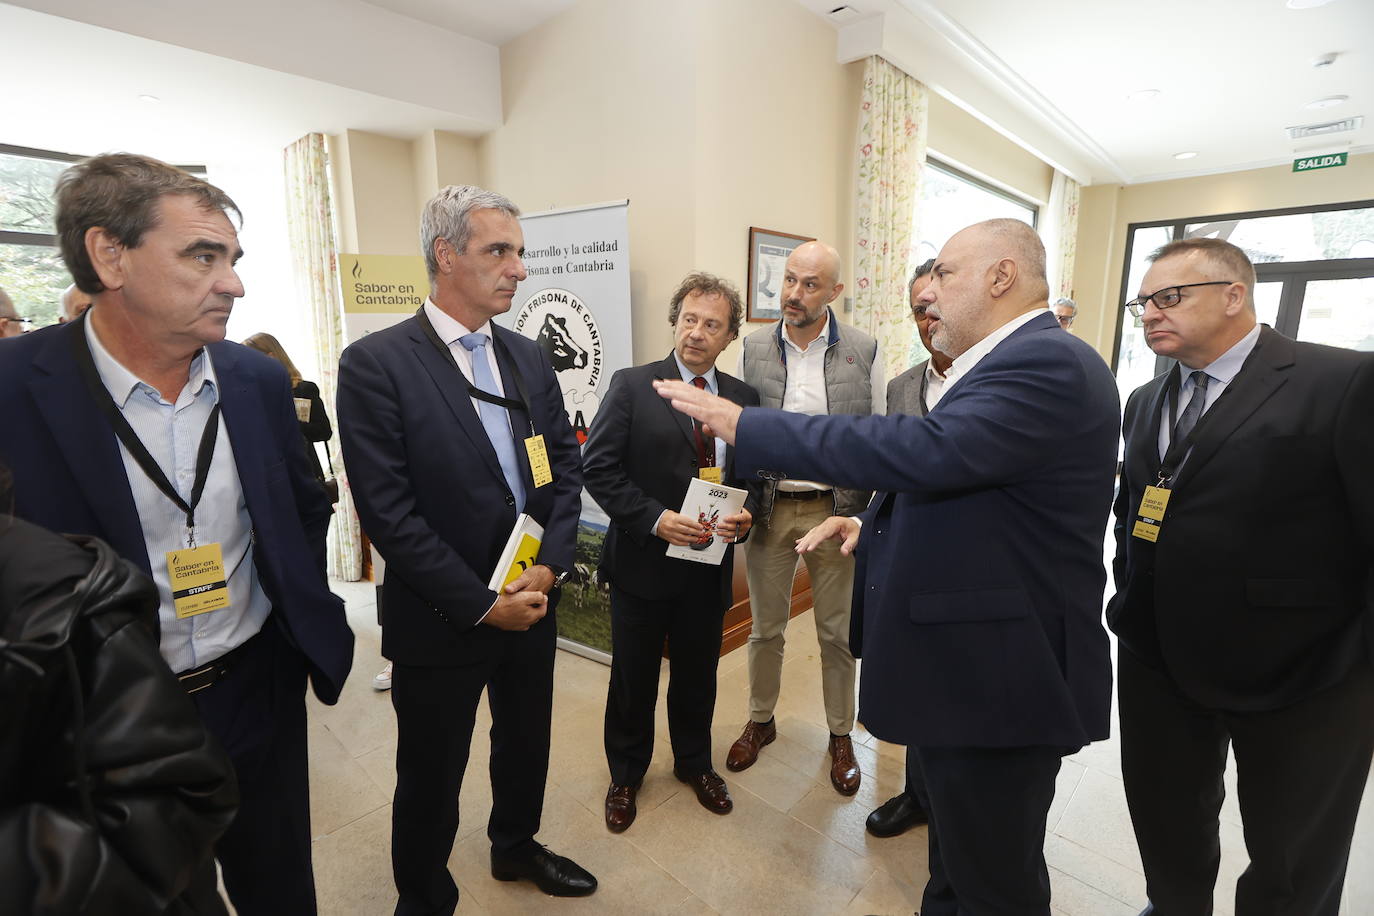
(1330, 101)
(1188, 155)
(1306, 4)
(1143, 95)
(149, 98)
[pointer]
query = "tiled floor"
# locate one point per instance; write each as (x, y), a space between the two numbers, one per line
(792, 845)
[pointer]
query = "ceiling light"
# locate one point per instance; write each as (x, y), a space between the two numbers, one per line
(1143, 95)
(1187, 155)
(149, 98)
(1306, 4)
(1330, 101)
(1331, 127)
(1326, 60)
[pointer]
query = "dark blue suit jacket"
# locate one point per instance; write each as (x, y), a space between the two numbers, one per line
(983, 594)
(69, 477)
(429, 488)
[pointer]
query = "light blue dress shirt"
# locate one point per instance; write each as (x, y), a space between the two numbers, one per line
(171, 433)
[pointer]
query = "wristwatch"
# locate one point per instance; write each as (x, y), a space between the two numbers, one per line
(560, 575)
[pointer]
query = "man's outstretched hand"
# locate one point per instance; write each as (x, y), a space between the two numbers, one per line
(719, 415)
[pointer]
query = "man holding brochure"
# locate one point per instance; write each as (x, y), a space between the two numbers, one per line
(453, 430)
(669, 570)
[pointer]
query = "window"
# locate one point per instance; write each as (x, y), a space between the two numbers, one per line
(1314, 270)
(949, 201)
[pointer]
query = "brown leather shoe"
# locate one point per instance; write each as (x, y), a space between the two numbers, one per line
(620, 807)
(746, 749)
(710, 789)
(844, 770)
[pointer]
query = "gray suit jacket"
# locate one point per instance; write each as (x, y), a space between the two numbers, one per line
(906, 392)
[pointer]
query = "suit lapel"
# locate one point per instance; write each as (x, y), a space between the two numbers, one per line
(519, 427)
(668, 370)
(88, 445)
(249, 429)
(1143, 456)
(454, 393)
(1263, 373)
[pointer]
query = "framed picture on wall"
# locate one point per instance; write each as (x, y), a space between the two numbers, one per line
(768, 251)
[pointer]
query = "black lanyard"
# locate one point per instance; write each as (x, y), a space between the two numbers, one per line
(1178, 448)
(522, 405)
(204, 455)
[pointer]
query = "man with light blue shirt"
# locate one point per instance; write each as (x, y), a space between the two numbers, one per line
(640, 460)
(137, 423)
(1244, 531)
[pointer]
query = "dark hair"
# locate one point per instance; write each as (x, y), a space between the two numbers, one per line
(705, 284)
(119, 192)
(921, 270)
(1223, 255)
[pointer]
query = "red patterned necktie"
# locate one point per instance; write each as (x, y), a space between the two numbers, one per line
(706, 456)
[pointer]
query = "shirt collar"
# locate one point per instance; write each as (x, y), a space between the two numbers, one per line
(1225, 366)
(823, 335)
(448, 328)
(965, 361)
(121, 383)
(688, 374)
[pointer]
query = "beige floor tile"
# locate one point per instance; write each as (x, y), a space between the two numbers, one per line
(1065, 784)
(692, 906)
(1117, 881)
(380, 766)
(773, 781)
(884, 894)
(353, 867)
(753, 860)
(341, 791)
(1096, 818)
(1073, 897)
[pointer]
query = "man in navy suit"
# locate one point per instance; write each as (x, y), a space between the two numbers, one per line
(641, 457)
(451, 428)
(984, 650)
(138, 424)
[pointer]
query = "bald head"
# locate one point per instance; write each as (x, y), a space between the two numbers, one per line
(10, 325)
(74, 302)
(985, 276)
(810, 283)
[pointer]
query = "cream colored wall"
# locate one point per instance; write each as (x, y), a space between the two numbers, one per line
(776, 122)
(375, 182)
(589, 119)
(961, 139)
(1105, 211)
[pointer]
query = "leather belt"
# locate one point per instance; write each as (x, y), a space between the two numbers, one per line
(803, 494)
(199, 678)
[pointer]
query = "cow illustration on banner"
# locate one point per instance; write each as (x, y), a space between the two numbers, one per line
(566, 330)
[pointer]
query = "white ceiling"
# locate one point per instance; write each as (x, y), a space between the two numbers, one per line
(1054, 74)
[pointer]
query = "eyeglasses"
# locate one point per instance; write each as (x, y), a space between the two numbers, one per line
(1064, 320)
(14, 318)
(1168, 297)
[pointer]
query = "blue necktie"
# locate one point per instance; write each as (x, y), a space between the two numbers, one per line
(495, 420)
(1193, 411)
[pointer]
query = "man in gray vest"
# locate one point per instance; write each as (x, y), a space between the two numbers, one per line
(809, 363)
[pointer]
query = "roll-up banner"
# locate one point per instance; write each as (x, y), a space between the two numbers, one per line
(576, 305)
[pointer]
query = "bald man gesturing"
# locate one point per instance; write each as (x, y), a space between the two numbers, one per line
(984, 650)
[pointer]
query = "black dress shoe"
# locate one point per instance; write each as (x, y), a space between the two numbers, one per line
(555, 875)
(710, 789)
(620, 807)
(895, 816)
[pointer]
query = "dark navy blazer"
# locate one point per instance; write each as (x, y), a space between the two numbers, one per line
(429, 488)
(69, 477)
(983, 595)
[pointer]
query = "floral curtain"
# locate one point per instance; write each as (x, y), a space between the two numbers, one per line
(310, 224)
(1061, 234)
(892, 152)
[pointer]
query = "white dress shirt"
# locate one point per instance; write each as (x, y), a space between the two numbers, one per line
(450, 331)
(171, 433)
(713, 388)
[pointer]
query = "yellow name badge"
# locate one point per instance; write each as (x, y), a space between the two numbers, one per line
(197, 578)
(539, 461)
(1153, 504)
(710, 475)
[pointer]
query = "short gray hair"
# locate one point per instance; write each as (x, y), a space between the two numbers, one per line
(1069, 302)
(447, 216)
(921, 270)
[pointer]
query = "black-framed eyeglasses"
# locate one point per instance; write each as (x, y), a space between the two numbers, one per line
(1168, 297)
(1064, 320)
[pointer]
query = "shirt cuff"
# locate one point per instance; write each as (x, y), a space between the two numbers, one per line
(484, 616)
(657, 522)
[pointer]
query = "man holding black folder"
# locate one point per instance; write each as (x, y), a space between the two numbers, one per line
(452, 428)
(641, 458)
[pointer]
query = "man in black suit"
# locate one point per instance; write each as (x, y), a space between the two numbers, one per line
(1245, 531)
(641, 456)
(445, 420)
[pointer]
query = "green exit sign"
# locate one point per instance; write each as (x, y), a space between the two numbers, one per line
(1329, 161)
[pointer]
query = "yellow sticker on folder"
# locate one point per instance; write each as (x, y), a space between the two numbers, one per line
(710, 475)
(525, 555)
(197, 578)
(539, 461)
